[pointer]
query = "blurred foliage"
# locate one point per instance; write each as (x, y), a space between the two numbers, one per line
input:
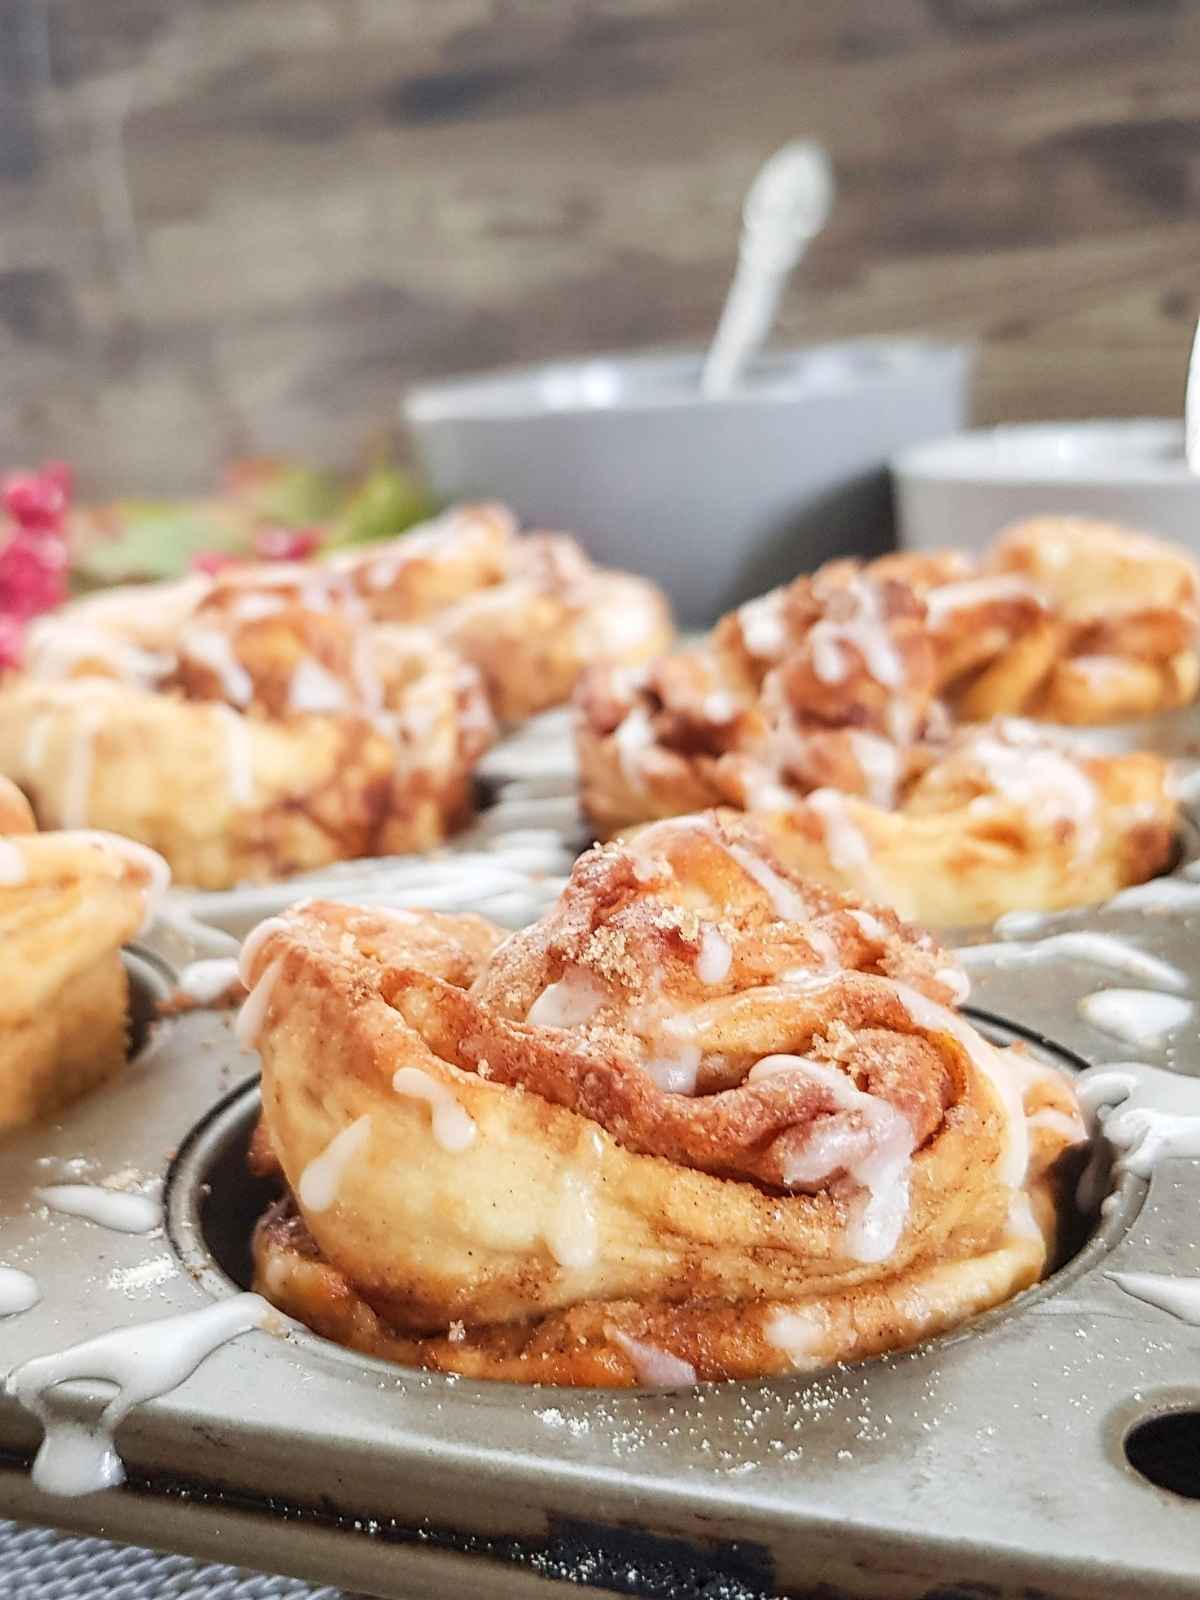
(129, 540)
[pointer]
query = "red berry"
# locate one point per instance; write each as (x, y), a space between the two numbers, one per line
(12, 640)
(210, 562)
(33, 573)
(60, 473)
(34, 500)
(286, 544)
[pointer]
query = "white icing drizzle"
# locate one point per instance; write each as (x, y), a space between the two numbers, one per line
(867, 631)
(18, 1292)
(1016, 924)
(867, 1139)
(253, 943)
(254, 607)
(652, 1364)
(632, 738)
(1000, 1070)
(12, 865)
(948, 598)
(314, 689)
(143, 1362)
(453, 1127)
(676, 1072)
(762, 626)
(253, 1015)
(215, 651)
(572, 1236)
(871, 926)
(33, 756)
(206, 981)
(1179, 1296)
(1043, 781)
(59, 649)
(845, 842)
(1101, 949)
(77, 784)
(879, 762)
(715, 956)
(720, 706)
(788, 903)
(800, 1333)
(1159, 895)
(322, 1177)
(107, 1208)
(239, 753)
(569, 1003)
(1141, 1136)
(1136, 1016)
(957, 982)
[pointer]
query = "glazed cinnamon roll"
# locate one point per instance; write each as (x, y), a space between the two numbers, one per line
(246, 726)
(68, 902)
(1065, 619)
(529, 610)
(705, 1120)
(820, 710)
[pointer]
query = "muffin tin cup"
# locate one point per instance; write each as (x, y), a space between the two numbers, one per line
(992, 1460)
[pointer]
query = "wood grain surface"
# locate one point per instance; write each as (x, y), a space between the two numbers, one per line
(231, 225)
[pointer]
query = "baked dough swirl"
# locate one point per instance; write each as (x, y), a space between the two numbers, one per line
(246, 726)
(531, 611)
(68, 902)
(703, 1120)
(828, 709)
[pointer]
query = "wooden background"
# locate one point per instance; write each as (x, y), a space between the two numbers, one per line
(231, 225)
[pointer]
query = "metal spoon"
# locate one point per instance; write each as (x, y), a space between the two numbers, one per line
(1191, 407)
(786, 206)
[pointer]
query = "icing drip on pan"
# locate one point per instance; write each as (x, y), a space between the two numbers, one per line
(1136, 1016)
(18, 1292)
(1101, 949)
(107, 1208)
(143, 1362)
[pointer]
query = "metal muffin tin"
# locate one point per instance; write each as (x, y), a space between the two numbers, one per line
(987, 1463)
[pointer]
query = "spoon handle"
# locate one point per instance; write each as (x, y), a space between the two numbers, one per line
(1191, 407)
(786, 206)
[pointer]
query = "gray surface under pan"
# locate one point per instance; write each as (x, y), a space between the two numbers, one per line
(987, 1463)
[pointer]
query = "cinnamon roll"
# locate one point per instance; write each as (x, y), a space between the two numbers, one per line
(705, 1120)
(821, 709)
(247, 726)
(68, 902)
(1065, 619)
(529, 610)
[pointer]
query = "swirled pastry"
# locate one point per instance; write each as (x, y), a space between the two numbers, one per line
(247, 726)
(530, 610)
(819, 708)
(68, 902)
(1065, 619)
(704, 1120)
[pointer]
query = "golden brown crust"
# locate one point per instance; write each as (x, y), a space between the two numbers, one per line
(826, 709)
(573, 1197)
(530, 611)
(281, 731)
(68, 901)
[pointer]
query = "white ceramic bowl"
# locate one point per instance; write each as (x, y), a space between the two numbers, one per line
(716, 499)
(963, 490)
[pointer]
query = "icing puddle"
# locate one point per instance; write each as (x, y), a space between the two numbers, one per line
(1100, 949)
(107, 1208)
(1136, 1016)
(18, 1292)
(143, 1362)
